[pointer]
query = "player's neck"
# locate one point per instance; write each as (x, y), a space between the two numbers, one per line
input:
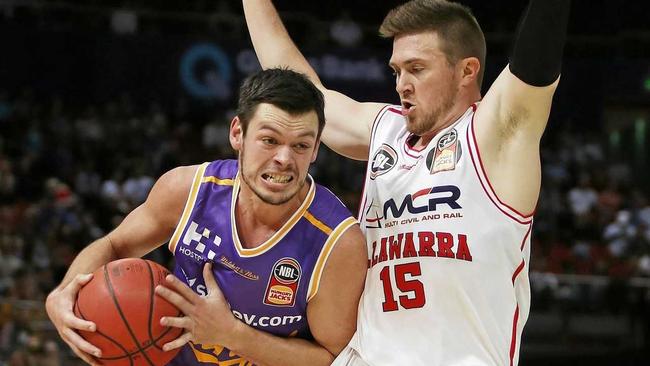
(256, 221)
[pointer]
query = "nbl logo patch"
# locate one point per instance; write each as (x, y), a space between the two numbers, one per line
(384, 160)
(283, 283)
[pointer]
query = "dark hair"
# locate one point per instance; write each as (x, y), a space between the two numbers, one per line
(454, 23)
(286, 89)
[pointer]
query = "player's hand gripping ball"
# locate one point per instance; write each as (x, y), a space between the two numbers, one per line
(120, 300)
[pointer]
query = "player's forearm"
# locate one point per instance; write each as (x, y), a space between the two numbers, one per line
(269, 350)
(273, 46)
(88, 260)
(536, 57)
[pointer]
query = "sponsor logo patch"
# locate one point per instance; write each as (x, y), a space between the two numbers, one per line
(283, 283)
(446, 153)
(384, 160)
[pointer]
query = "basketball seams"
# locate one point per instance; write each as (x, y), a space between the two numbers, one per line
(154, 341)
(109, 285)
(126, 352)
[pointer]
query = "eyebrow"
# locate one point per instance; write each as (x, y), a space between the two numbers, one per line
(304, 134)
(407, 62)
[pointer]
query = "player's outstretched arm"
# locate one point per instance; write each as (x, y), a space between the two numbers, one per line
(331, 313)
(349, 122)
(514, 113)
(143, 230)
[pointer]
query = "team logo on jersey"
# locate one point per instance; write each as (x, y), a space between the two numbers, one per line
(446, 153)
(283, 283)
(199, 245)
(384, 160)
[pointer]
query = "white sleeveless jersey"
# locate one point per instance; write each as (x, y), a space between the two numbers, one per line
(447, 281)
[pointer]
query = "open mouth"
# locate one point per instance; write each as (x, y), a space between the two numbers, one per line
(277, 178)
(407, 107)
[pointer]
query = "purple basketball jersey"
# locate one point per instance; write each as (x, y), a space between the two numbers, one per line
(268, 287)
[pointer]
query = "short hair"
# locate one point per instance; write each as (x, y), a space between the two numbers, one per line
(286, 89)
(460, 33)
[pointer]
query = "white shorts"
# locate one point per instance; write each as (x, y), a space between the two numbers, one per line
(349, 357)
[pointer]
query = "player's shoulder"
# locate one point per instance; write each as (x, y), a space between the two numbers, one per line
(222, 169)
(327, 207)
(390, 111)
(388, 121)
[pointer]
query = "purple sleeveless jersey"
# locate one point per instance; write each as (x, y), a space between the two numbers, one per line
(268, 287)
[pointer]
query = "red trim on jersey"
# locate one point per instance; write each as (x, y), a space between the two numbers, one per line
(523, 242)
(478, 174)
(513, 342)
(406, 142)
(478, 153)
(363, 201)
(406, 149)
(518, 270)
(395, 110)
(488, 194)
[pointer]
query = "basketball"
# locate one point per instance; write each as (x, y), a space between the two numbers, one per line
(120, 300)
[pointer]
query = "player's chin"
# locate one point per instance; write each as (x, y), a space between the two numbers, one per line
(413, 127)
(276, 198)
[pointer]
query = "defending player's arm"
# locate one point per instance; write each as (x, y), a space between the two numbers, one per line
(349, 122)
(513, 115)
(144, 229)
(331, 313)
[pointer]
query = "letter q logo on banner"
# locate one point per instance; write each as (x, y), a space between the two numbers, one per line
(205, 72)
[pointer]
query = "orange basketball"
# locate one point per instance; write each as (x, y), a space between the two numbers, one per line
(120, 300)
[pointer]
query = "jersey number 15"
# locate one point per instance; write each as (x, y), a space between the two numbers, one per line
(412, 290)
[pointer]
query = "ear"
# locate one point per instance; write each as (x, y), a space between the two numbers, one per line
(236, 134)
(470, 68)
(315, 153)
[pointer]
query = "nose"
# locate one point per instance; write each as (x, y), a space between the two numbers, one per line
(403, 84)
(283, 155)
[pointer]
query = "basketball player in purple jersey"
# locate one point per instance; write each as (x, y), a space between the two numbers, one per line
(269, 265)
(452, 181)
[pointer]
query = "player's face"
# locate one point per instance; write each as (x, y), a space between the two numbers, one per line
(425, 80)
(276, 151)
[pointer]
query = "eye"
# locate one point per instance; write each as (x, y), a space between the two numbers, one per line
(269, 141)
(417, 69)
(303, 146)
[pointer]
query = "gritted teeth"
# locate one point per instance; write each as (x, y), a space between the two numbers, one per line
(277, 178)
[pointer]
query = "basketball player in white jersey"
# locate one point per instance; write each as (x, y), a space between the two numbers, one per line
(452, 180)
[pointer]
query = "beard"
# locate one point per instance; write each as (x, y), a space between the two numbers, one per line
(428, 121)
(274, 198)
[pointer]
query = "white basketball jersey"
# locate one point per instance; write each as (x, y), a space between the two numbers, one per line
(447, 276)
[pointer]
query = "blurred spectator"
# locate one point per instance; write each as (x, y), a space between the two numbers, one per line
(583, 198)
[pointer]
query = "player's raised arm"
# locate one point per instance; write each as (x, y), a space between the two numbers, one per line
(512, 116)
(348, 122)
